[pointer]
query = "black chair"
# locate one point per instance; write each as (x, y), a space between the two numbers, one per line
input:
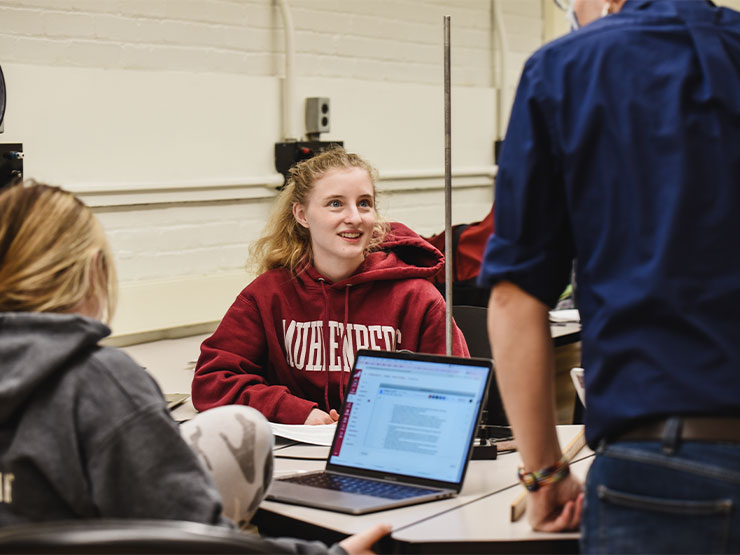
(130, 536)
(473, 323)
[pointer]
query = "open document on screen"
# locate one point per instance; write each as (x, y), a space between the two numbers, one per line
(401, 417)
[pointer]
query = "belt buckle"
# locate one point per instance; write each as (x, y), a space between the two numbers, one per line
(671, 434)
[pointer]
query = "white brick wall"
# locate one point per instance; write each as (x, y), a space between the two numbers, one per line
(165, 112)
(347, 38)
(187, 240)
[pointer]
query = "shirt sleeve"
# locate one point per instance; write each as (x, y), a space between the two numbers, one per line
(532, 245)
(231, 369)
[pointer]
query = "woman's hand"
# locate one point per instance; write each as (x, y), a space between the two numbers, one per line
(360, 544)
(318, 416)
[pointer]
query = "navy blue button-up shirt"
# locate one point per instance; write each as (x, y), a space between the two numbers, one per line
(623, 151)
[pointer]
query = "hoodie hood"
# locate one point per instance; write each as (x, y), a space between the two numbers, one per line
(36, 346)
(402, 255)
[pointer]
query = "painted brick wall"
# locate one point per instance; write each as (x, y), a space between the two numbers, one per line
(394, 40)
(163, 115)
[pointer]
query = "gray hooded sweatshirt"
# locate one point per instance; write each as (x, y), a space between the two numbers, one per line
(85, 433)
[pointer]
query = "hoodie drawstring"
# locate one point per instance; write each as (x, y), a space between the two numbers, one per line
(325, 341)
(325, 354)
(342, 343)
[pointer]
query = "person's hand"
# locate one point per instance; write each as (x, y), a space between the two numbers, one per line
(556, 507)
(318, 416)
(360, 544)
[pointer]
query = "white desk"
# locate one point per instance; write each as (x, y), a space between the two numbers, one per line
(479, 481)
(480, 514)
(564, 333)
(171, 363)
(478, 517)
(486, 522)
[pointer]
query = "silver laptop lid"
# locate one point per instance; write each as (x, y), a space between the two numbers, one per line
(410, 416)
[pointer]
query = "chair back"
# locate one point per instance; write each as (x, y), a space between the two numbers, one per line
(473, 323)
(129, 536)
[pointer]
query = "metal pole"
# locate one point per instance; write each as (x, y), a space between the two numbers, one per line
(448, 190)
(289, 131)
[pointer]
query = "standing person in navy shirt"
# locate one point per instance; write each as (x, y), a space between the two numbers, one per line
(623, 153)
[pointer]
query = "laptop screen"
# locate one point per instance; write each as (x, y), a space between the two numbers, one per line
(414, 415)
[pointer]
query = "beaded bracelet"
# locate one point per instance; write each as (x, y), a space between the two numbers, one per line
(535, 480)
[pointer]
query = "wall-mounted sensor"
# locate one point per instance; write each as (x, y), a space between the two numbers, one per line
(318, 116)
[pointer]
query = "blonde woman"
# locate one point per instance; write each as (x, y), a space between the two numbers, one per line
(84, 431)
(334, 278)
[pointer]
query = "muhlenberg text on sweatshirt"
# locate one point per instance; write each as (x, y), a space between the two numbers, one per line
(306, 345)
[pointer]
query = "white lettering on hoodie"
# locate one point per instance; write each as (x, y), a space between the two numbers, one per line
(306, 349)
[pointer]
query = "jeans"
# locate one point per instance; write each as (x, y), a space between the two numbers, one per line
(642, 499)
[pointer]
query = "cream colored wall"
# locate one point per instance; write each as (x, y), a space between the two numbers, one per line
(163, 115)
(554, 24)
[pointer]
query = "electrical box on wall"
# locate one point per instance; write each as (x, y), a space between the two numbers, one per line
(318, 116)
(290, 153)
(318, 121)
(11, 163)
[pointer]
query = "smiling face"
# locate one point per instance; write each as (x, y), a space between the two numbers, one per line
(340, 216)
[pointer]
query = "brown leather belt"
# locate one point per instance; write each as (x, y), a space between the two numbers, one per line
(693, 428)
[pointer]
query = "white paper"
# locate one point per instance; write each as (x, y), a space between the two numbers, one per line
(322, 434)
(576, 375)
(566, 315)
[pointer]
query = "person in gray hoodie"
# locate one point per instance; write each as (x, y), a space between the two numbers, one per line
(84, 431)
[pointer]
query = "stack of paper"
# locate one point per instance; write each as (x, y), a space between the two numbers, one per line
(314, 435)
(565, 316)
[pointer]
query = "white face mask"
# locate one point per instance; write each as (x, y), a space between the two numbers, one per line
(570, 13)
(572, 18)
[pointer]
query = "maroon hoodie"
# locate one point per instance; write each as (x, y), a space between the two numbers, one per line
(288, 342)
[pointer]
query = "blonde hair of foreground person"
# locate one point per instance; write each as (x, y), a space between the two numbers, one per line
(287, 244)
(54, 256)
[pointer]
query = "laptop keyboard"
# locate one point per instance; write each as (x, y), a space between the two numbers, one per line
(363, 486)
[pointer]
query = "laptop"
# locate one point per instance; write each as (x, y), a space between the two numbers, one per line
(405, 434)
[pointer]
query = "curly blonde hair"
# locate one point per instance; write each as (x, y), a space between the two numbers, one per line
(287, 244)
(53, 252)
